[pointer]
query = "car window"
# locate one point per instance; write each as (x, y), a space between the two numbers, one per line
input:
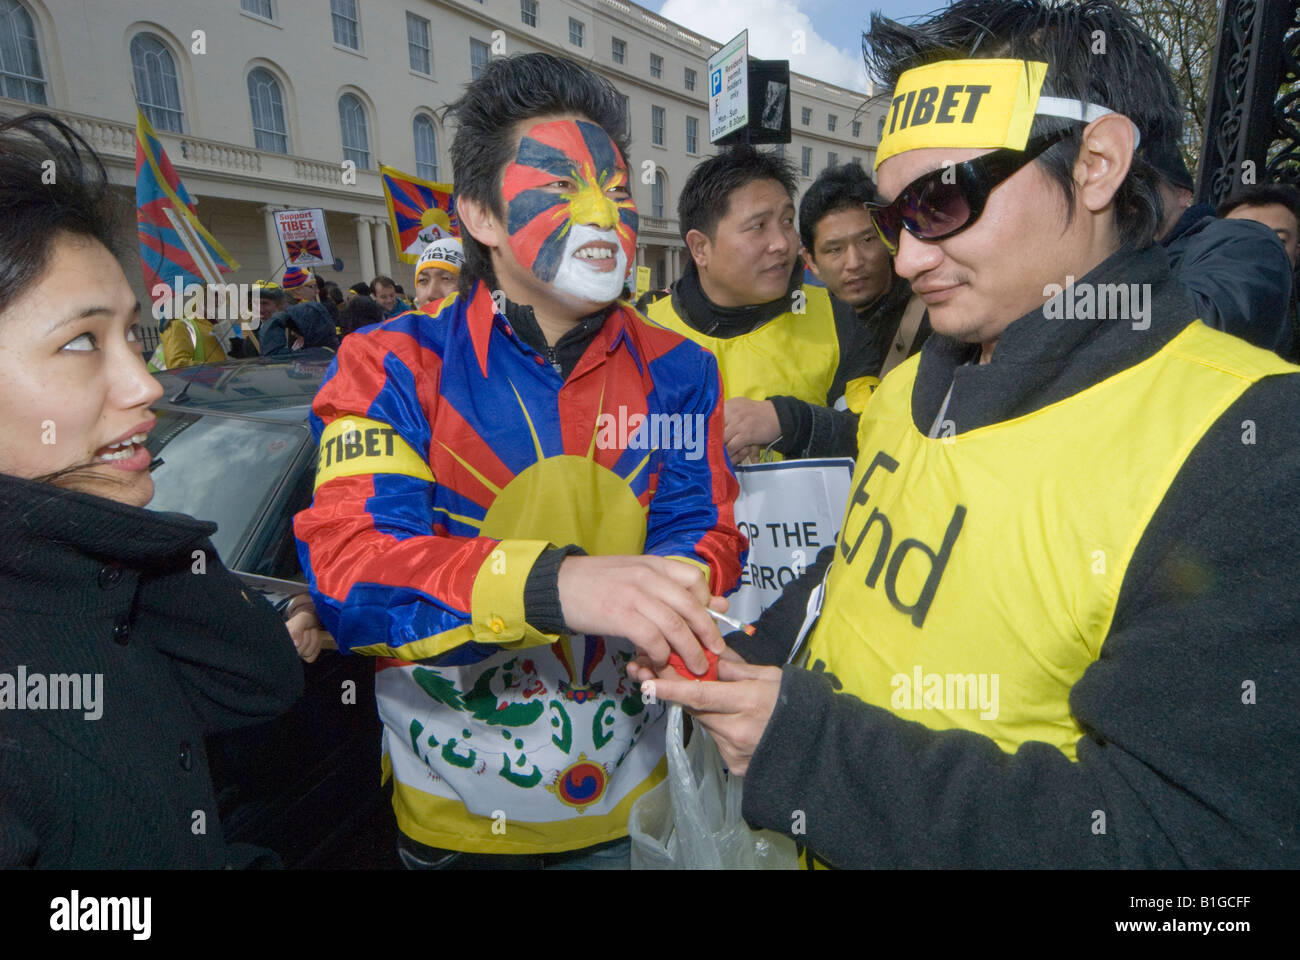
(280, 560)
(222, 469)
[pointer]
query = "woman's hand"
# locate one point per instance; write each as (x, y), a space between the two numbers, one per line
(305, 630)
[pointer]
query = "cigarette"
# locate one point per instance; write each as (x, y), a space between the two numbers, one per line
(748, 628)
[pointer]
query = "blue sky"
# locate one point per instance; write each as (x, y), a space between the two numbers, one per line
(832, 29)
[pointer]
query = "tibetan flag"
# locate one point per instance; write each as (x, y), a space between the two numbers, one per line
(308, 250)
(420, 211)
(175, 249)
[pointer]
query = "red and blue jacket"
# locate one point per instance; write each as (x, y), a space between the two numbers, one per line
(451, 455)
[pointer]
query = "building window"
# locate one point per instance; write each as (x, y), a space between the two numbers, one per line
(857, 160)
(831, 120)
(576, 28)
(426, 148)
(657, 191)
(692, 135)
(21, 77)
(258, 8)
(627, 115)
(805, 166)
(656, 65)
(780, 150)
(347, 25)
(619, 53)
(807, 116)
(528, 12)
(657, 126)
(352, 121)
(857, 128)
(417, 44)
(478, 58)
(880, 128)
(269, 130)
(156, 88)
(832, 158)
(690, 79)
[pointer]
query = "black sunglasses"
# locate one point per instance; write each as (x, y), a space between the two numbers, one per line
(946, 201)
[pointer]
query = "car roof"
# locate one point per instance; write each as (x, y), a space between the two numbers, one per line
(279, 387)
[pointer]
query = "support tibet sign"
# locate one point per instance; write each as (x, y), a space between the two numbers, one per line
(729, 88)
(304, 241)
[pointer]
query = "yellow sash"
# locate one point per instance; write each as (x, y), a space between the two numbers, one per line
(793, 355)
(976, 575)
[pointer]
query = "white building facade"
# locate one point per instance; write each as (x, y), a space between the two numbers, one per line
(258, 103)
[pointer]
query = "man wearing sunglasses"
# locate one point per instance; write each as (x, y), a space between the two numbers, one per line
(1065, 577)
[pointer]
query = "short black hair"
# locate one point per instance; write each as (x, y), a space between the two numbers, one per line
(1262, 194)
(360, 311)
(508, 91)
(706, 197)
(844, 187)
(382, 280)
(360, 287)
(38, 207)
(1131, 78)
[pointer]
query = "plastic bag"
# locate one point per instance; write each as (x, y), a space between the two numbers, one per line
(692, 820)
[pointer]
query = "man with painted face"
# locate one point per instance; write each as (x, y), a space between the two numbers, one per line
(1065, 576)
(510, 487)
(786, 352)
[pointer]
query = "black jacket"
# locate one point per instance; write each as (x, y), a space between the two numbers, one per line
(313, 321)
(94, 587)
(1186, 773)
(1236, 274)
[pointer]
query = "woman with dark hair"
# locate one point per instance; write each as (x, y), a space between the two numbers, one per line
(331, 293)
(124, 642)
(360, 311)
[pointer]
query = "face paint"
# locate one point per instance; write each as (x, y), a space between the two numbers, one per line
(580, 238)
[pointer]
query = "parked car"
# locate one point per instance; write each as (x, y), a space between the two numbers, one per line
(232, 445)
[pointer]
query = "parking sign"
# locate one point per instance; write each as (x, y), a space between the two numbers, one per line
(729, 87)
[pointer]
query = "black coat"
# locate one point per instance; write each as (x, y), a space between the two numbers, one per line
(91, 586)
(312, 319)
(1236, 274)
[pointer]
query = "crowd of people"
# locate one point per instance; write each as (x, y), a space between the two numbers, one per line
(1058, 627)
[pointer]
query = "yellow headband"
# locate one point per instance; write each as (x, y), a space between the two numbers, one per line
(972, 103)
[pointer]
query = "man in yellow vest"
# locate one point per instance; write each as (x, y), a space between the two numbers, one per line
(785, 351)
(1059, 628)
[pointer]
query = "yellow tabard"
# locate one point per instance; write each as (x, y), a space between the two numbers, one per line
(793, 355)
(976, 575)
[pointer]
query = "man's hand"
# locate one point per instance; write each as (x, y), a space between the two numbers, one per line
(735, 709)
(748, 423)
(656, 602)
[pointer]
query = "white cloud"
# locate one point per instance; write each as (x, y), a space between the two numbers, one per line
(775, 27)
